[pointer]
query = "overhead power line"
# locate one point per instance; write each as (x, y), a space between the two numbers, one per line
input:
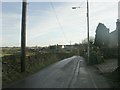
(58, 21)
(82, 3)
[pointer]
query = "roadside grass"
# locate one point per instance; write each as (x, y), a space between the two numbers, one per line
(48, 59)
(14, 76)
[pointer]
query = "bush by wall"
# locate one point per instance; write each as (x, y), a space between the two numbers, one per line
(11, 65)
(96, 56)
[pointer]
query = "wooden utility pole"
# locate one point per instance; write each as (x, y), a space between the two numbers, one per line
(23, 36)
(88, 47)
(118, 27)
(88, 30)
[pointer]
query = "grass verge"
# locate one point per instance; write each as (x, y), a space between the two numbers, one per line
(10, 78)
(46, 60)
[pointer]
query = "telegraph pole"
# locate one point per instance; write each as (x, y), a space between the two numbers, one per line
(88, 47)
(88, 30)
(23, 36)
(118, 27)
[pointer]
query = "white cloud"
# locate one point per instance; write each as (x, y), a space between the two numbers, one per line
(74, 21)
(66, 16)
(45, 30)
(0, 24)
(104, 14)
(11, 29)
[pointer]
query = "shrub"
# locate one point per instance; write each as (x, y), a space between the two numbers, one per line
(96, 56)
(11, 64)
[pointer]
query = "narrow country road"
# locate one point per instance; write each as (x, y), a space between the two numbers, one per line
(68, 73)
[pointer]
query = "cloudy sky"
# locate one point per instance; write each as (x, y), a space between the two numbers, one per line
(51, 22)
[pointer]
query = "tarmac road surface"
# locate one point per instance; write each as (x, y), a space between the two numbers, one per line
(68, 73)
